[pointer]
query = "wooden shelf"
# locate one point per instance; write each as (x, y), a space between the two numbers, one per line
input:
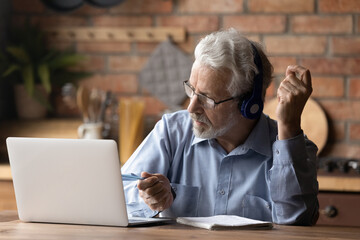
(134, 34)
(341, 184)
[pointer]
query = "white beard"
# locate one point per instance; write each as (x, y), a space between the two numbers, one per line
(211, 132)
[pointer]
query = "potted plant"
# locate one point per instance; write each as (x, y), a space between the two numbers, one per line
(35, 69)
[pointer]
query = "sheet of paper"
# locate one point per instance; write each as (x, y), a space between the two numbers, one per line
(224, 222)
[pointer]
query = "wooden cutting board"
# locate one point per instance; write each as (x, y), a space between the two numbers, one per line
(313, 121)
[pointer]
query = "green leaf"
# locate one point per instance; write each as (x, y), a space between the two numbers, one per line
(65, 60)
(12, 68)
(28, 76)
(52, 54)
(44, 75)
(39, 96)
(19, 54)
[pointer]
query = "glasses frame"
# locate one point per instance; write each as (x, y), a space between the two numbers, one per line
(200, 96)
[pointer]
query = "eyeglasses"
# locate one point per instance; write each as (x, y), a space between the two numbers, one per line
(205, 101)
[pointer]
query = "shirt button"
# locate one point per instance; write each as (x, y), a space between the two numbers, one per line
(222, 192)
(277, 151)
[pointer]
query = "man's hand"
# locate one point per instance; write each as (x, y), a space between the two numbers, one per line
(156, 191)
(292, 95)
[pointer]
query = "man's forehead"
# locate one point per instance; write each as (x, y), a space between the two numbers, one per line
(205, 78)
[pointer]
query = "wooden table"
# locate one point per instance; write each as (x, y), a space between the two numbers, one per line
(12, 228)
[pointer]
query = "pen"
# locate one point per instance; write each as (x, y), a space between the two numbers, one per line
(131, 177)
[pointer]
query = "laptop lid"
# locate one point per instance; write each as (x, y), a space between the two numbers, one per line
(74, 181)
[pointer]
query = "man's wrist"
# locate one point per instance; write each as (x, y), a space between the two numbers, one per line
(287, 131)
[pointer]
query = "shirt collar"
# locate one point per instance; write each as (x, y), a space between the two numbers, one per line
(258, 140)
(198, 140)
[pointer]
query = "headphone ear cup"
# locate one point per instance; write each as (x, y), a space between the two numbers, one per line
(252, 108)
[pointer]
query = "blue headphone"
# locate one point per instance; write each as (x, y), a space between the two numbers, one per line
(252, 105)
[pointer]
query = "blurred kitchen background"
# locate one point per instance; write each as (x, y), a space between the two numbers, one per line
(123, 42)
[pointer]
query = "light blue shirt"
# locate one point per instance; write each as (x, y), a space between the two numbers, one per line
(264, 178)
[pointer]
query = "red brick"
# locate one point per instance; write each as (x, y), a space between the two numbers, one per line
(281, 6)
(103, 47)
(144, 47)
(342, 109)
(271, 90)
(122, 21)
(58, 21)
(295, 45)
(345, 45)
(335, 65)
(154, 106)
(339, 6)
(189, 45)
(253, 37)
(193, 24)
(342, 150)
(327, 86)
(117, 83)
(336, 131)
(143, 6)
(61, 46)
(89, 10)
(123, 83)
(28, 6)
(355, 131)
(354, 88)
(91, 64)
(280, 63)
(210, 6)
(321, 24)
(126, 63)
(256, 23)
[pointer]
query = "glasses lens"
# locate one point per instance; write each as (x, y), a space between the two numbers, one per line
(189, 92)
(206, 102)
(203, 100)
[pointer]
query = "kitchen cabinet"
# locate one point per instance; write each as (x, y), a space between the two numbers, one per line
(339, 209)
(339, 199)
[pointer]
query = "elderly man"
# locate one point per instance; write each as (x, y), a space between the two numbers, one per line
(223, 155)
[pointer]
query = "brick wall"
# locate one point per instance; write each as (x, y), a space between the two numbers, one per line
(323, 35)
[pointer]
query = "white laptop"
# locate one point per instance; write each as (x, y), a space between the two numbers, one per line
(73, 181)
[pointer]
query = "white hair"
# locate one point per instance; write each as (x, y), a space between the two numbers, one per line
(229, 50)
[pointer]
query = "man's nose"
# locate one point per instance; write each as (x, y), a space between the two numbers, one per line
(194, 105)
